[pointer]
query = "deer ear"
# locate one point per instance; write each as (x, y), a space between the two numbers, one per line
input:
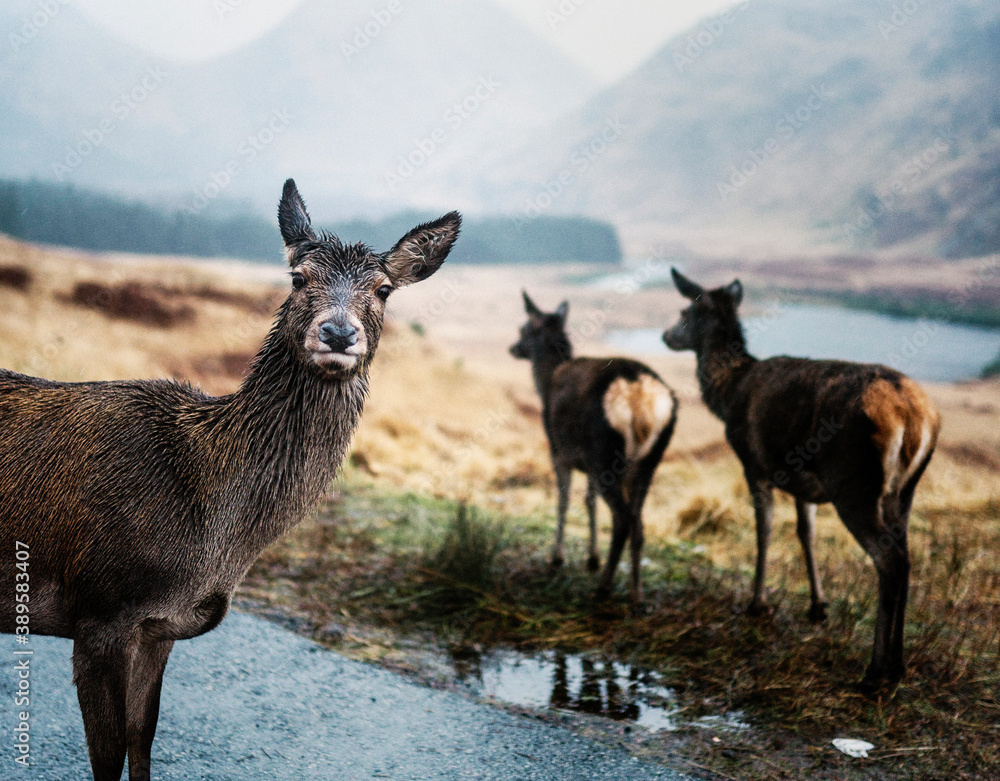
(422, 251)
(563, 310)
(530, 306)
(685, 286)
(293, 219)
(735, 291)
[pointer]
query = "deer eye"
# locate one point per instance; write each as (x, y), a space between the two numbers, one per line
(383, 292)
(298, 281)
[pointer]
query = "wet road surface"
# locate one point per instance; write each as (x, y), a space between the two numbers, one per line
(253, 701)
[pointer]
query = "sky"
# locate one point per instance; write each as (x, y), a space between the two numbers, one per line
(607, 37)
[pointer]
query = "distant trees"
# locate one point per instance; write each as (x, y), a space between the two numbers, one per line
(69, 216)
(73, 217)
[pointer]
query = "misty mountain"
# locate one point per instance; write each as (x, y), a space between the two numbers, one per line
(357, 101)
(792, 124)
(780, 126)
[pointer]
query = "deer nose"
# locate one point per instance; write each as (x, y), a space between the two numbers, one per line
(338, 336)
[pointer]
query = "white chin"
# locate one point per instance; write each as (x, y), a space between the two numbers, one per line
(337, 362)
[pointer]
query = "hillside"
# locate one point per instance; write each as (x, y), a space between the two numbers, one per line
(783, 126)
(801, 124)
(310, 99)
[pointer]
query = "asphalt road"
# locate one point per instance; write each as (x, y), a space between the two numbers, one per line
(252, 701)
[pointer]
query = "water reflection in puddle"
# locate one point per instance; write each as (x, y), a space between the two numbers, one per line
(578, 683)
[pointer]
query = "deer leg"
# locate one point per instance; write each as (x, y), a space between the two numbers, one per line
(806, 527)
(881, 531)
(101, 670)
(564, 476)
(593, 561)
(763, 506)
(637, 541)
(621, 527)
(897, 520)
(143, 705)
(639, 479)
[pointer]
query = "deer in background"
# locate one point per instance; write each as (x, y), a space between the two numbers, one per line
(857, 435)
(610, 418)
(143, 503)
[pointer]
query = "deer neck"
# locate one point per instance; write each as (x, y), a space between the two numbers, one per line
(723, 361)
(544, 366)
(278, 442)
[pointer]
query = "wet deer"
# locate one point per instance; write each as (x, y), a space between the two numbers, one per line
(144, 503)
(610, 418)
(857, 435)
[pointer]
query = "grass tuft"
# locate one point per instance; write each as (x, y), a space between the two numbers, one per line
(467, 557)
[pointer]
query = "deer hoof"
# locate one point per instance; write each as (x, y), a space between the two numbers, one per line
(817, 613)
(557, 562)
(759, 609)
(878, 681)
(593, 563)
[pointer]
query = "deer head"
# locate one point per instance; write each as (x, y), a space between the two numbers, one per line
(710, 313)
(335, 311)
(544, 335)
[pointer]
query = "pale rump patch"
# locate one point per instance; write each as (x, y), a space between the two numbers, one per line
(890, 459)
(639, 410)
(906, 428)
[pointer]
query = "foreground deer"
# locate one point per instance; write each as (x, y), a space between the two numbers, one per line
(144, 503)
(610, 418)
(859, 436)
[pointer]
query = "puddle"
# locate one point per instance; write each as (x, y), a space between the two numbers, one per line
(579, 683)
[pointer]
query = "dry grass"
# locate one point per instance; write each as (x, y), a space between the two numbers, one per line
(453, 419)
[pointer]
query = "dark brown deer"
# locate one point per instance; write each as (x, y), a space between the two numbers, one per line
(610, 418)
(143, 503)
(857, 435)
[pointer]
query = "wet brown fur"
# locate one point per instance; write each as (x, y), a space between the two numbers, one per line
(575, 394)
(142, 503)
(857, 435)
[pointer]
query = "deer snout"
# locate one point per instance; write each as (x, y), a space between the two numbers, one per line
(518, 351)
(338, 336)
(674, 340)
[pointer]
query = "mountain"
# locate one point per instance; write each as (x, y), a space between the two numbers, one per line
(781, 126)
(791, 125)
(367, 106)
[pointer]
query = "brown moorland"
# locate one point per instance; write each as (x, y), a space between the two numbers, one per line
(453, 419)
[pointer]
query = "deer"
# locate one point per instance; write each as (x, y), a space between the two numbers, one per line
(858, 436)
(143, 503)
(610, 418)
